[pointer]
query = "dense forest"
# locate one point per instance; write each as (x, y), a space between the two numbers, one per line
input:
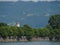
(52, 30)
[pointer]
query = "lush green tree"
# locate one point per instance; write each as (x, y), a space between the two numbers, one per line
(8, 31)
(20, 32)
(51, 35)
(48, 27)
(12, 31)
(43, 32)
(28, 32)
(3, 24)
(57, 34)
(36, 32)
(46, 32)
(40, 32)
(3, 32)
(54, 25)
(54, 21)
(51, 32)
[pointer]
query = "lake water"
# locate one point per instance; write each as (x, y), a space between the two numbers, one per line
(29, 43)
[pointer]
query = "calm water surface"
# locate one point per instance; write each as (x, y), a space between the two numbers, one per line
(29, 43)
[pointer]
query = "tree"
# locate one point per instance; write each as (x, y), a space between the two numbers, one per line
(51, 32)
(54, 21)
(3, 24)
(43, 32)
(20, 32)
(28, 32)
(57, 34)
(4, 32)
(36, 33)
(12, 31)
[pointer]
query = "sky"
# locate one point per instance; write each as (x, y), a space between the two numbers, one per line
(30, 0)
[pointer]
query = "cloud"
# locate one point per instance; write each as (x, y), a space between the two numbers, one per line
(47, 15)
(22, 19)
(30, 0)
(47, 0)
(24, 13)
(30, 14)
(58, 0)
(39, 0)
(9, 0)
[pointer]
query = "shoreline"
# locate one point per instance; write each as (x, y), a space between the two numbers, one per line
(25, 40)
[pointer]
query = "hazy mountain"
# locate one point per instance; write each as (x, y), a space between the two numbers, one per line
(36, 14)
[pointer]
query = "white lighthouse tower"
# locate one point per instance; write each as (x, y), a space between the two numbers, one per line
(18, 24)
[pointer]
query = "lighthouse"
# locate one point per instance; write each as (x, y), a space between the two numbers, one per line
(18, 24)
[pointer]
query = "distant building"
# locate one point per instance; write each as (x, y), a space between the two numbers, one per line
(18, 24)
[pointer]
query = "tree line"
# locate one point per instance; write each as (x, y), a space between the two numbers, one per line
(52, 30)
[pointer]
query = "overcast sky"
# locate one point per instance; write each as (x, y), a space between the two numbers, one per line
(30, 0)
